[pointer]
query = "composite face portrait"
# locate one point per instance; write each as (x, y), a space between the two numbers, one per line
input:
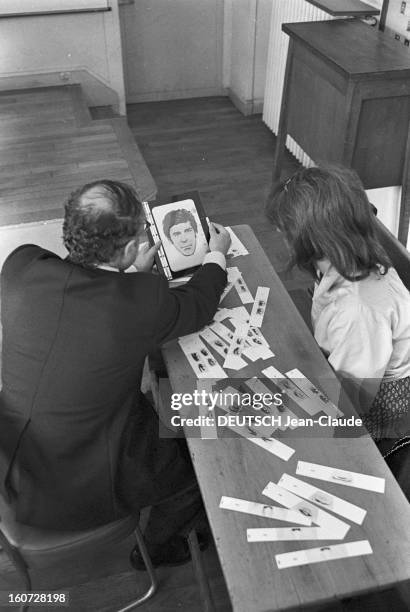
(180, 230)
(183, 237)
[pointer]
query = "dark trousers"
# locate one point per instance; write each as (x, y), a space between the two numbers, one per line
(176, 515)
(157, 472)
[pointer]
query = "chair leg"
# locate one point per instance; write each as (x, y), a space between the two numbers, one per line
(199, 570)
(151, 572)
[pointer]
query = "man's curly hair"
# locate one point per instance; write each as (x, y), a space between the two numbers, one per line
(100, 218)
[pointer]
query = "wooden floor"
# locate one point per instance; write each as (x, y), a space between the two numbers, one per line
(203, 144)
(107, 583)
(49, 146)
(208, 145)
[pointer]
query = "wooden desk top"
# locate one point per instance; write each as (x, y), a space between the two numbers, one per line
(355, 49)
(236, 467)
(342, 8)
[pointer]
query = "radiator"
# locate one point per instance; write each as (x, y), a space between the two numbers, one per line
(284, 11)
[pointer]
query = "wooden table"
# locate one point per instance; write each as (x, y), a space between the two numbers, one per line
(236, 467)
(346, 8)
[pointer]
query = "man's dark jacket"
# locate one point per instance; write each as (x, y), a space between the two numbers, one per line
(71, 425)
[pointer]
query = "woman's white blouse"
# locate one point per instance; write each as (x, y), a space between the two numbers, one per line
(364, 326)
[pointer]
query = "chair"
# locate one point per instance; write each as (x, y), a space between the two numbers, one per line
(398, 460)
(34, 548)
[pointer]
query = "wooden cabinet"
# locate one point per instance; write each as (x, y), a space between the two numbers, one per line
(346, 100)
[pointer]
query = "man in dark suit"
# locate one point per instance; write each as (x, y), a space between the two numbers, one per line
(79, 443)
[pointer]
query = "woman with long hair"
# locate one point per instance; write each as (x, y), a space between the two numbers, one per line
(360, 307)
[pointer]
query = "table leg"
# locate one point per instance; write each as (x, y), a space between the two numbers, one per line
(204, 589)
(283, 121)
(404, 218)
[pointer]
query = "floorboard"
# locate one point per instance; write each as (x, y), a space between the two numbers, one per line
(208, 145)
(50, 146)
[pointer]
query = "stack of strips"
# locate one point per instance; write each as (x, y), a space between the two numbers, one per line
(289, 389)
(243, 339)
(306, 504)
(332, 528)
(313, 392)
(302, 391)
(255, 347)
(236, 345)
(247, 338)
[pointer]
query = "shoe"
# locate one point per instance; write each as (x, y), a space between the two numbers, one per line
(175, 552)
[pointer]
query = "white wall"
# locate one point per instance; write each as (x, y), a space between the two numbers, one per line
(246, 39)
(397, 20)
(28, 6)
(243, 49)
(192, 48)
(263, 16)
(76, 48)
(172, 48)
(387, 201)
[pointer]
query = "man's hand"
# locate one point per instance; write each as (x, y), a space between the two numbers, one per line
(145, 258)
(220, 239)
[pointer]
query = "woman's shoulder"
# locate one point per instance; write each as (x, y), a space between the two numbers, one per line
(376, 296)
(383, 287)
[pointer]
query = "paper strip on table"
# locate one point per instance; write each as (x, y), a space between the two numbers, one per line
(232, 275)
(237, 345)
(239, 312)
(257, 347)
(236, 248)
(342, 477)
(282, 414)
(226, 334)
(309, 388)
(264, 510)
(222, 314)
(209, 430)
(323, 553)
(288, 387)
(323, 499)
(261, 430)
(219, 345)
(201, 360)
(259, 306)
(242, 288)
(334, 525)
(279, 534)
(277, 448)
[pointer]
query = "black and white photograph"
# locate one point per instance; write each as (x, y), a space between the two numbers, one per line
(205, 305)
(181, 233)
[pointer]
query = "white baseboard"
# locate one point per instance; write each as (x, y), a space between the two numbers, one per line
(247, 107)
(160, 96)
(96, 92)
